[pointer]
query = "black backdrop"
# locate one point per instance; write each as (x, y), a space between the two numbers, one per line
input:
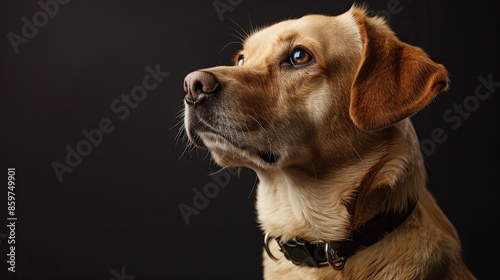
(116, 214)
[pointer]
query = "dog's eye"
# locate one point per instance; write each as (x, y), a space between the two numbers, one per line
(300, 57)
(240, 61)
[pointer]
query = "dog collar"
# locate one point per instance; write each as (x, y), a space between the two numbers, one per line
(335, 253)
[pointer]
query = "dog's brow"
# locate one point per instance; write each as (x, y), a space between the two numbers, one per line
(273, 45)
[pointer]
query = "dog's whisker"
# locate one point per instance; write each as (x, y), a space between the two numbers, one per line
(268, 138)
(237, 34)
(185, 151)
(275, 131)
(269, 142)
(181, 123)
(315, 175)
(181, 112)
(179, 134)
(229, 135)
(207, 155)
(252, 28)
(245, 33)
(243, 126)
(238, 37)
(228, 44)
(216, 172)
(253, 187)
(359, 156)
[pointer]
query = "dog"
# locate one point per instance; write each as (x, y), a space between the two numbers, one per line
(319, 107)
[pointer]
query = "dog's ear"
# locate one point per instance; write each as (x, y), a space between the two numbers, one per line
(394, 80)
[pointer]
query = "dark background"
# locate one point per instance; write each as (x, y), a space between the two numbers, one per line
(116, 214)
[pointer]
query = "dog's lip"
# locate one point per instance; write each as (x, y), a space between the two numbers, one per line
(201, 131)
(266, 156)
(269, 157)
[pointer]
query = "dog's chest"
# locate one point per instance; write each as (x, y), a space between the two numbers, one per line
(290, 208)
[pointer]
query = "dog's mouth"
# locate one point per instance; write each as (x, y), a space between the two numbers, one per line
(268, 157)
(216, 142)
(230, 145)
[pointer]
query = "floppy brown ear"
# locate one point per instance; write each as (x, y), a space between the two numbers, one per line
(394, 80)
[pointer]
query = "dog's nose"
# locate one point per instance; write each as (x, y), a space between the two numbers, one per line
(198, 85)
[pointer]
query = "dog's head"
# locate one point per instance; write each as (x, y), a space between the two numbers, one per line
(317, 88)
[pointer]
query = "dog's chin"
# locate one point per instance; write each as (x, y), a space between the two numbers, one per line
(228, 154)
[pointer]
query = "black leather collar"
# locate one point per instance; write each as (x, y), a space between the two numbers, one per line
(335, 253)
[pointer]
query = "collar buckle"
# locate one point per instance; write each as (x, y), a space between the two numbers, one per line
(268, 237)
(301, 252)
(332, 256)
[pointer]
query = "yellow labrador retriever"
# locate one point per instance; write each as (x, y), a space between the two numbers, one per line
(319, 108)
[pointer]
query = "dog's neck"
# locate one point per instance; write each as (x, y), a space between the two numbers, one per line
(293, 204)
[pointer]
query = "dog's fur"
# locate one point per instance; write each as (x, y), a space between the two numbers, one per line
(339, 144)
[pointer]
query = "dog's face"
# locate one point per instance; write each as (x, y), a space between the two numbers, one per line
(312, 89)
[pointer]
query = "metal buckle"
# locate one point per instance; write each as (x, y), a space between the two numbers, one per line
(333, 258)
(297, 252)
(266, 246)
